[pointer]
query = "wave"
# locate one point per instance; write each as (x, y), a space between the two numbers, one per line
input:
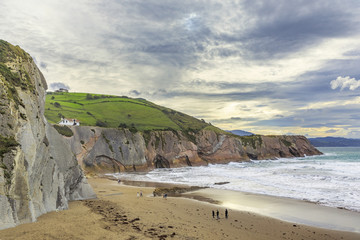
(332, 179)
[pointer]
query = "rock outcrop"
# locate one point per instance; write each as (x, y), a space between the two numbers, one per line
(114, 150)
(38, 171)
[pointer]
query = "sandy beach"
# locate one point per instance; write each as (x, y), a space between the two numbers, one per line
(118, 213)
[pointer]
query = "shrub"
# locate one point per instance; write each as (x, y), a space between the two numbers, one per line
(7, 144)
(64, 130)
(100, 123)
(133, 130)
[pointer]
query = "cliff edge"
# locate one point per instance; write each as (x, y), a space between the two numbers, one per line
(38, 171)
(109, 150)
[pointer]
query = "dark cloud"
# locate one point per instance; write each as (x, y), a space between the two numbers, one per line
(134, 92)
(163, 49)
(234, 95)
(332, 117)
(234, 120)
(167, 33)
(331, 131)
(284, 27)
(58, 85)
(353, 134)
(43, 65)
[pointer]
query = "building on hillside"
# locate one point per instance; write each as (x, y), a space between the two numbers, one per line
(69, 122)
(62, 90)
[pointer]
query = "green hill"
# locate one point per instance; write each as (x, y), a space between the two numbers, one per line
(118, 112)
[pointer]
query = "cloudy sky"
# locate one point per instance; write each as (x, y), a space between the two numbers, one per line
(265, 66)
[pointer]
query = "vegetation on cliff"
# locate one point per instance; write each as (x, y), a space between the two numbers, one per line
(64, 130)
(12, 74)
(6, 145)
(119, 112)
(134, 114)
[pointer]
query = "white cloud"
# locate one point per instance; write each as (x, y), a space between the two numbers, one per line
(345, 82)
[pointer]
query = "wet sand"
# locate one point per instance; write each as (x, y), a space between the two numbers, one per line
(119, 214)
(291, 210)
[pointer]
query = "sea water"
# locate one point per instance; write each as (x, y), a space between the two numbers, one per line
(332, 179)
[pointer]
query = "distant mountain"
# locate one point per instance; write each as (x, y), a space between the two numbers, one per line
(241, 133)
(334, 142)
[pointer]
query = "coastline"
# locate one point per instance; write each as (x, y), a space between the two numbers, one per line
(118, 213)
(285, 209)
(280, 208)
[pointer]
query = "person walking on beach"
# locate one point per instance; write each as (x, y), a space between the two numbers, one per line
(217, 214)
(213, 213)
(140, 193)
(137, 194)
(226, 213)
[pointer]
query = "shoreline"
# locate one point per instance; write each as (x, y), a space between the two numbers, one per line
(286, 209)
(118, 213)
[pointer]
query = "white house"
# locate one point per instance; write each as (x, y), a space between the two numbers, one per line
(70, 122)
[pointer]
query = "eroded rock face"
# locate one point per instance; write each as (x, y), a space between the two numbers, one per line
(102, 150)
(38, 171)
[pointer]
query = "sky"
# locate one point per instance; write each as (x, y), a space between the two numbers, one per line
(264, 66)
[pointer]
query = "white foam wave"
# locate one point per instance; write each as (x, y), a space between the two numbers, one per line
(331, 179)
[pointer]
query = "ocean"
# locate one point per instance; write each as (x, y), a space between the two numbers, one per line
(332, 179)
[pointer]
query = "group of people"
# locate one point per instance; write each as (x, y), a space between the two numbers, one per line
(217, 214)
(140, 194)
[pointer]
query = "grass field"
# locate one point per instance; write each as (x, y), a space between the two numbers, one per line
(114, 111)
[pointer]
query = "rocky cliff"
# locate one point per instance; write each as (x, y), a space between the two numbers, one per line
(38, 171)
(114, 150)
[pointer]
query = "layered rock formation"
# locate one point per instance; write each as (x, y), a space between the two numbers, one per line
(38, 171)
(114, 150)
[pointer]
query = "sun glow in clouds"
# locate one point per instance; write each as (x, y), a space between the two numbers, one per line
(204, 60)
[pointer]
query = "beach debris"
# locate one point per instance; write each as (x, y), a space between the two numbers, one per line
(135, 219)
(221, 183)
(164, 236)
(174, 191)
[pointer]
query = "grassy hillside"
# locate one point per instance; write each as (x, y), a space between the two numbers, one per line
(115, 111)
